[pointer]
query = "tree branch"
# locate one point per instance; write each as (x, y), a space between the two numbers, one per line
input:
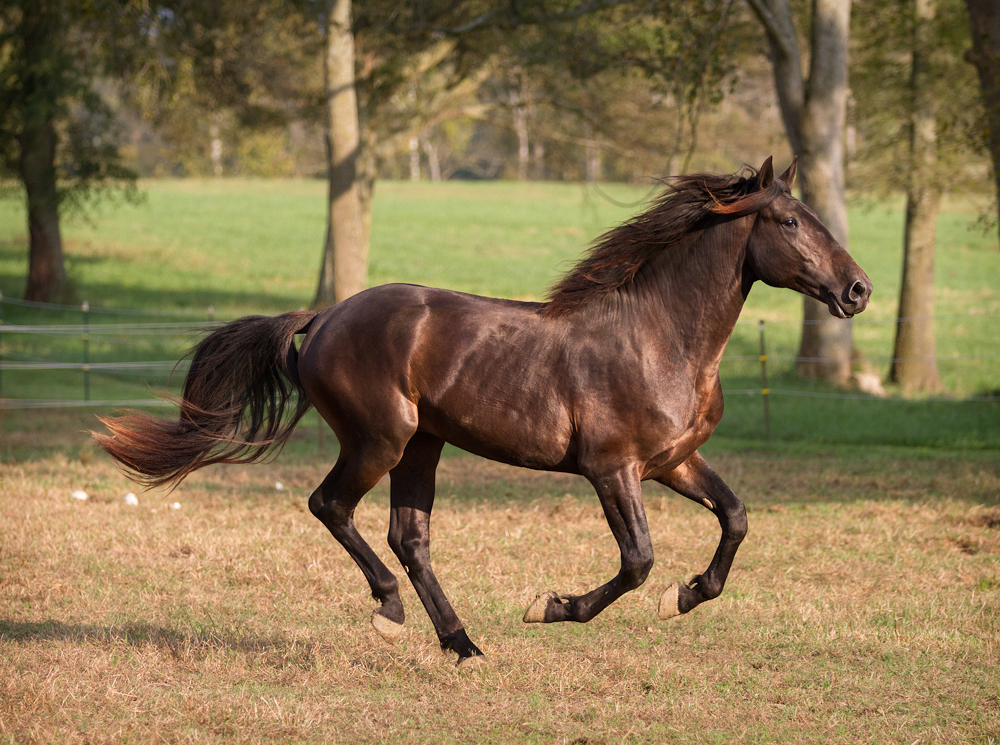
(509, 16)
(776, 18)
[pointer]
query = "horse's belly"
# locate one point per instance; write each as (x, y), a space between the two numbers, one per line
(528, 433)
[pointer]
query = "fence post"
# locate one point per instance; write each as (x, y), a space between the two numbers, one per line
(85, 307)
(1, 343)
(765, 392)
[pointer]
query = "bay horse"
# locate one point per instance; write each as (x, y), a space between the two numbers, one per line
(615, 377)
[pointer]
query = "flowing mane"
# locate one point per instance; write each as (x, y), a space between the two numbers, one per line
(688, 201)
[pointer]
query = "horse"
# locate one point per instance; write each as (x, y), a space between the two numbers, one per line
(614, 377)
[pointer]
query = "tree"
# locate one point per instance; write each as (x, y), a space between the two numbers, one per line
(345, 255)
(984, 24)
(217, 78)
(397, 48)
(814, 110)
(923, 138)
(372, 55)
(914, 364)
(57, 134)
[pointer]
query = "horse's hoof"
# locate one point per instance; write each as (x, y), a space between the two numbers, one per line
(536, 611)
(477, 661)
(670, 602)
(386, 628)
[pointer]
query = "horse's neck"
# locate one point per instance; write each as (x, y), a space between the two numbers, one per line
(692, 293)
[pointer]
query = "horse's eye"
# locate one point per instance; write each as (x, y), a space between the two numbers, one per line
(790, 222)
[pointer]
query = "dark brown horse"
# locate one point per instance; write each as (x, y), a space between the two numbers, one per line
(616, 378)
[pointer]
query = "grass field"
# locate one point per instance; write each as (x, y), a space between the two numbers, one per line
(864, 607)
(253, 246)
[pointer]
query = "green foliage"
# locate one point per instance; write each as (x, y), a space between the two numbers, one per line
(222, 81)
(51, 56)
(882, 39)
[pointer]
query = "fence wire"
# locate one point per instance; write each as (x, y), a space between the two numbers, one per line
(160, 331)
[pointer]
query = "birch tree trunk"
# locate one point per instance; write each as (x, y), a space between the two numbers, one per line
(914, 366)
(344, 268)
(814, 111)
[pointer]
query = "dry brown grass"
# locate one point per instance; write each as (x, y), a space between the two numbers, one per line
(863, 608)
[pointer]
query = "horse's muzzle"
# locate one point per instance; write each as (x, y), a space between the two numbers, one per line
(853, 299)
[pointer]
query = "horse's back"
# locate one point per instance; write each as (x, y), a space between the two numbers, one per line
(482, 373)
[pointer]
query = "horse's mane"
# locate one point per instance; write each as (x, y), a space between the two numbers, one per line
(688, 201)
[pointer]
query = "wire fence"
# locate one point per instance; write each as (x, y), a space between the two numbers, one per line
(168, 341)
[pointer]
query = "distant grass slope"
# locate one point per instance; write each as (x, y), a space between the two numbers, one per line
(246, 246)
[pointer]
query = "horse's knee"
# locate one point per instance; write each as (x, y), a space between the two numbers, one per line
(411, 550)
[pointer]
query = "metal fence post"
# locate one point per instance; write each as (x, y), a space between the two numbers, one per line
(764, 390)
(86, 350)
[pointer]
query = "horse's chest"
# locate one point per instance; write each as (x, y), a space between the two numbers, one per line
(683, 422)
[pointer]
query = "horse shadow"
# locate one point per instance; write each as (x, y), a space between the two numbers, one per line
(196, 644)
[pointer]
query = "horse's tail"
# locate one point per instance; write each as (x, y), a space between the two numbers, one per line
(242, 379)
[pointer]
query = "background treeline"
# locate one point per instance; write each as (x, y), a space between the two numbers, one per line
(550, 109)
(876, 95)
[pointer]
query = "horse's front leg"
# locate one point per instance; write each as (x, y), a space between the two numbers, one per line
(696, 481)
(621, 499)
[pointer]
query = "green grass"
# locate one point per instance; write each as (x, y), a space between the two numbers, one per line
(246, 246)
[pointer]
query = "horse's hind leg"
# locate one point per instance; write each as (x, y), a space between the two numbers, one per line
(334, 503)
(412, 497)
(696, 481)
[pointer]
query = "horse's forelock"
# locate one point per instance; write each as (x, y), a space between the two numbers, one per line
(751, 203)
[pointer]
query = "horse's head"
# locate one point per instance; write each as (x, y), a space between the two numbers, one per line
(790, 247)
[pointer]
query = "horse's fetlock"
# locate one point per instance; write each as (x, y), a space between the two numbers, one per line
(738, 525)
(634, 573)
(709, 589)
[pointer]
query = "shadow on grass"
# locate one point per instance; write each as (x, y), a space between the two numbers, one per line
(197, 644)
(195, 296)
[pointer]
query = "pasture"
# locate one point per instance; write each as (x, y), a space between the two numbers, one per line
(863, 606)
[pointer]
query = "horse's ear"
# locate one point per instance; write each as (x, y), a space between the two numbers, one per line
(789, 176)
(765, 176)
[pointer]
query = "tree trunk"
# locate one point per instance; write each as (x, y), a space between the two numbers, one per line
(345, 256)
(814, 112)
(37, 140)
(433, 163)
(538, 158)
(47, 280)
(414, 159)
(523, 151)
(914, 366)
(984, 23)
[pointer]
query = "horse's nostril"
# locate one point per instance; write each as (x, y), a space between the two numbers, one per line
(857, 291)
